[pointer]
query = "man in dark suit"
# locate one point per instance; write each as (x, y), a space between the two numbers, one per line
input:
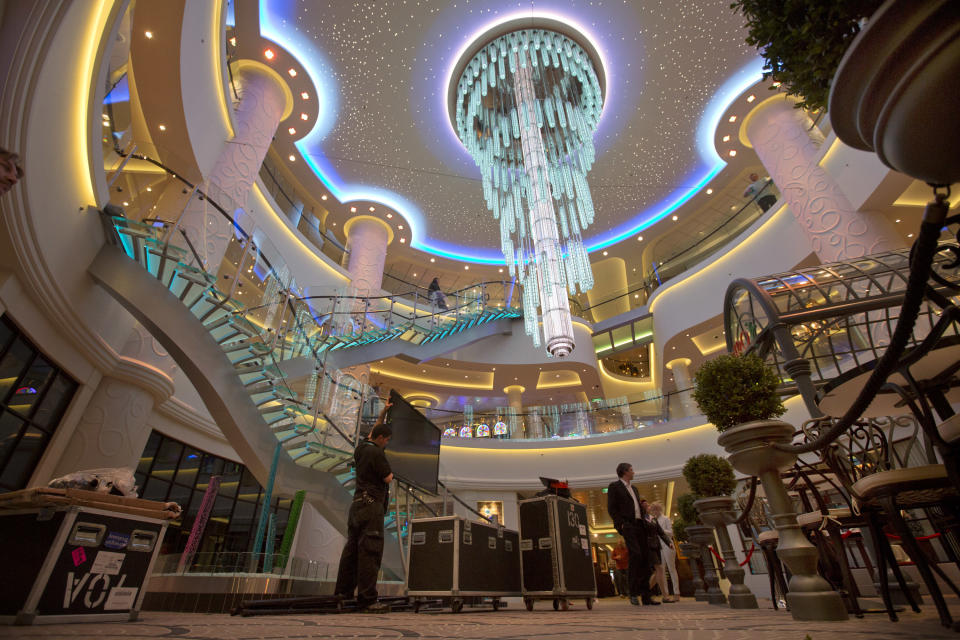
(623, 504)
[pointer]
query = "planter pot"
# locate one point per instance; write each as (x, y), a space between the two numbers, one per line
(702, 536)
(692, 552)
(750, 452)
(889, 93)
(718, 512)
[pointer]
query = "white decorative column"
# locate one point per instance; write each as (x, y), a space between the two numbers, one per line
(113, 430)
(264, 102)
(515, 402)
(551, 285)
(367, 240)
(836, 231)
(683, 383)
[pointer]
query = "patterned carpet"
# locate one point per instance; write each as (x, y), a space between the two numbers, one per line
(610, 619)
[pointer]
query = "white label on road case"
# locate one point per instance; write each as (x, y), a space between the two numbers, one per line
(583, 529)
(108, 562)
(121, 598)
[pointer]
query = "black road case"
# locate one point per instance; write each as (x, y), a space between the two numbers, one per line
(75, 564)
(451, 557)
(555, 551)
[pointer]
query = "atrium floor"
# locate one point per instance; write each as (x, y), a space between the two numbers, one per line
(610, 619)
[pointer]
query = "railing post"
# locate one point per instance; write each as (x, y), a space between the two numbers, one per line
(265, 507)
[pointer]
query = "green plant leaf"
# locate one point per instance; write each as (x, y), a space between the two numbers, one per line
(709, 475)
(731, 390)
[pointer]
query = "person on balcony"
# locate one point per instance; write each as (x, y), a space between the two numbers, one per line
(363, 551)
(10, 170)
(756, 188)
(437, 299)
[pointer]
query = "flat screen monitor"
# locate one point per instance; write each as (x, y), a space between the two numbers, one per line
(414, 449)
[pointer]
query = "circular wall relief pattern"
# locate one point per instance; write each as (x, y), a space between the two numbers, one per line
(836, 231)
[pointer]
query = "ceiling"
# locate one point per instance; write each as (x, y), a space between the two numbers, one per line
(383, 135)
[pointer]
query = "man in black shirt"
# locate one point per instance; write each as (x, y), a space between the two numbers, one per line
(623, 504)
(360, 560)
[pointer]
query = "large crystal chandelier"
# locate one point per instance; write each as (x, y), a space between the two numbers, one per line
(526, 105)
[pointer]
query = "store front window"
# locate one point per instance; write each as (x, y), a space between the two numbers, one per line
(34, 394)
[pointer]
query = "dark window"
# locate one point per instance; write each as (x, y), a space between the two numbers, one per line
(171, 471)
(34, 394)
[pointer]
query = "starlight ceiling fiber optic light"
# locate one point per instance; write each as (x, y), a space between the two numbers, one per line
(526, 106)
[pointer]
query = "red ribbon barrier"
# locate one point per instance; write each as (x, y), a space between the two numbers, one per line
(896, 537)
(753, 548)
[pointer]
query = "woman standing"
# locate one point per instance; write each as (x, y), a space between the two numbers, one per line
(667, 556)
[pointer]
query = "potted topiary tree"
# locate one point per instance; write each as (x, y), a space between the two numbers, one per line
(711, 478)
(880, 65)
(739, 396)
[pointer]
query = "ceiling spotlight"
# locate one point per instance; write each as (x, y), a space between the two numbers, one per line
(433, 259)
(403, 240)
(732, 119)
(149, 34)
(304, 95)
(709, 191)
(162, 127)
(400, 226)
(726, 138)
(323, 197)
(149, 188)
(292, 131)
(466, 267)
(353, 209)
(268, 54)
(675, 218)
(389, 215)
(414, 275)
(292, 157)
(733, 152)
(233, 41)
(304, 116)
(775, 85)
(499, 270)
(751, 98)
(126, 204)
(606, 253)
(897, 220)
(292, 72)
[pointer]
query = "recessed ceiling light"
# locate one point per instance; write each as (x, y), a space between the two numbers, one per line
(751, 98)
(675, 218)
(636, 295)
(500, 271)
(353, 209)
(304, 95)
(162, 127)
(268, 54)
(733, 152)
(732, 119)
(466, 267)
(126, 204)
(726, 138)
(373, 208)
(323, 197)
(149, 34)
(292, 131)
(292, 157)
(775, 85)
(709, 191)
(639, 239)
(897, 220)
(433, 259)
(909, 235)
(233, 41)
(402, 240)
(292, 72)
(304, 116)
(389, 215)
(414, 275)
(149, 188)
(606, 253)
(400, 226)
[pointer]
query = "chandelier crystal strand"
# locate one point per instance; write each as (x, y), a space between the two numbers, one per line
(527, 106)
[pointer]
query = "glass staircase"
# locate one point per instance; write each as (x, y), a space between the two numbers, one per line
(255, 312)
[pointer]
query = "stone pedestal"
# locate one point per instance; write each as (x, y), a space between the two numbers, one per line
(703, 536)
(718, 513)
(810, 596)
(692, 552)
